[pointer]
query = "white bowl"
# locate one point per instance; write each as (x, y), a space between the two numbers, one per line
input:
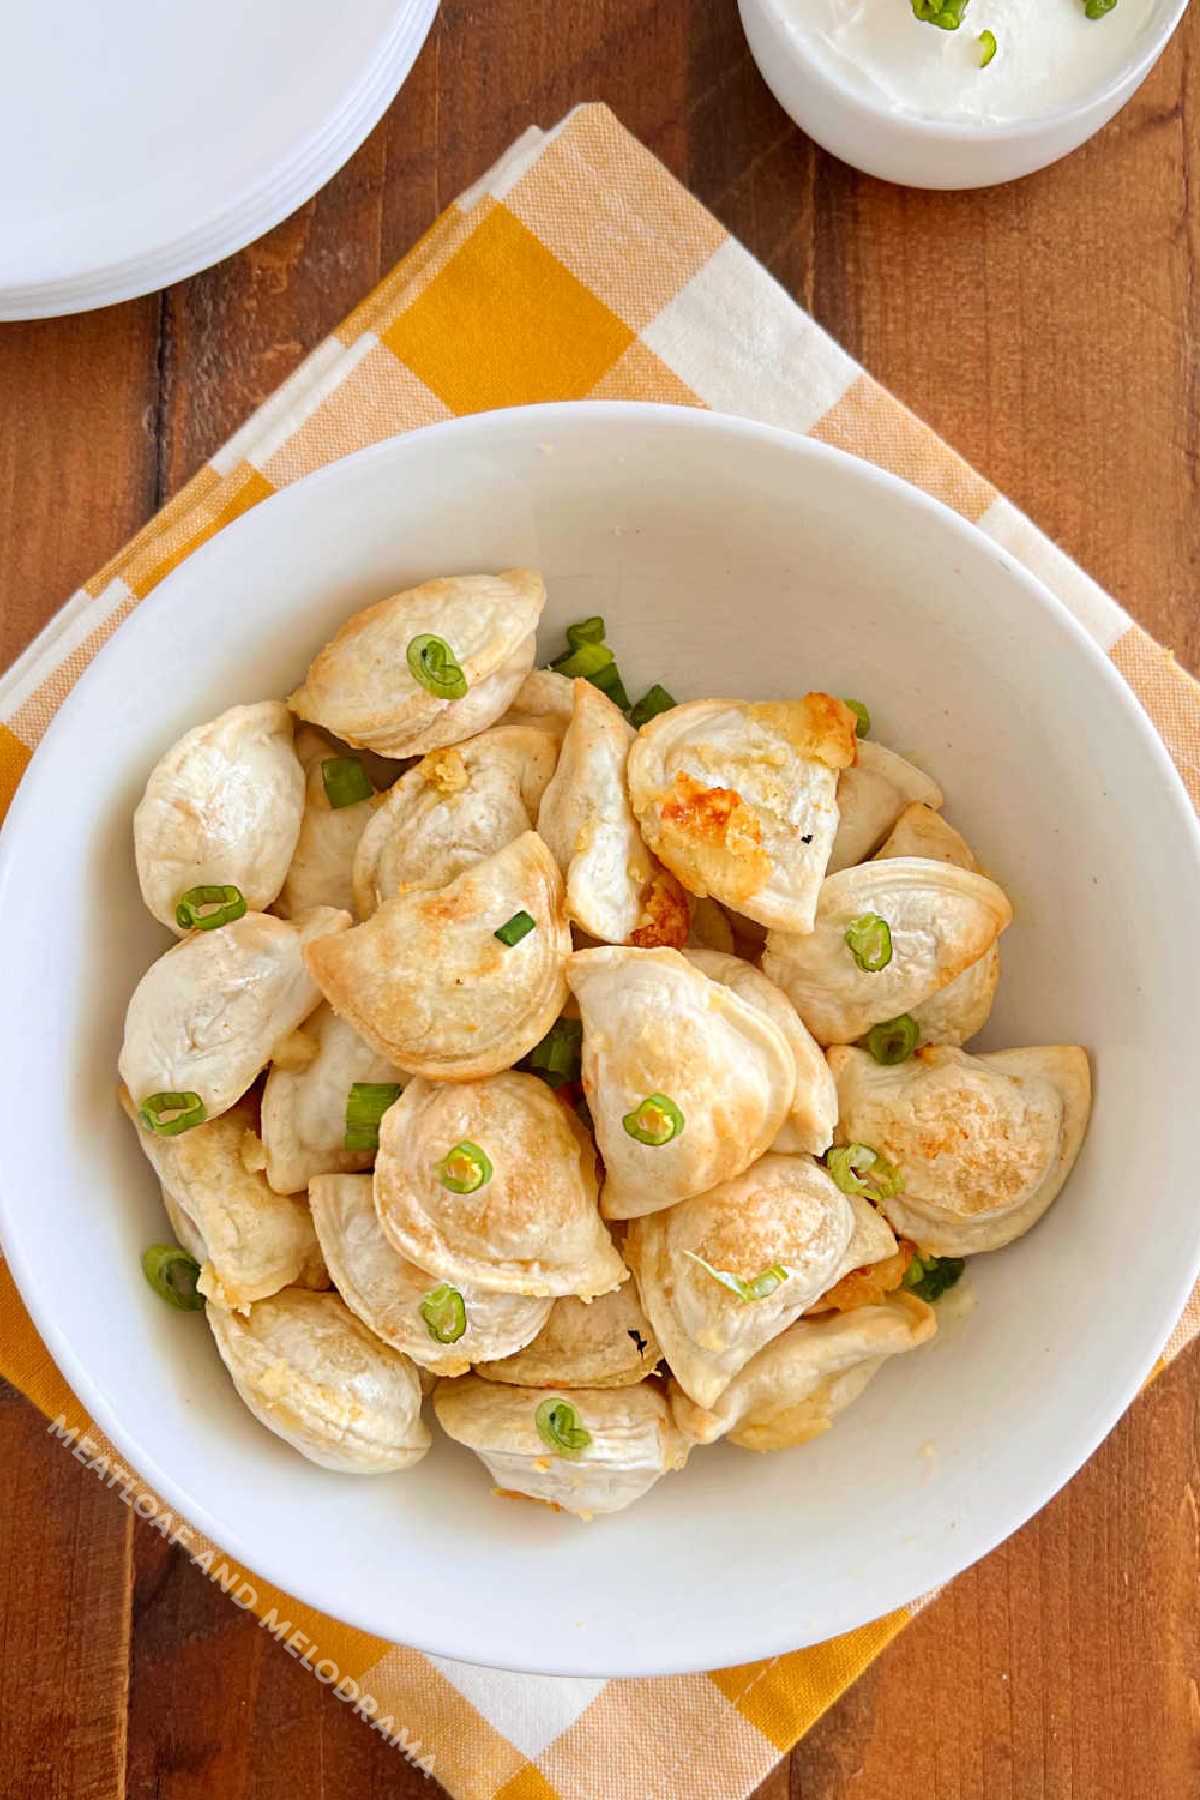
(931, 153)
(727, 558)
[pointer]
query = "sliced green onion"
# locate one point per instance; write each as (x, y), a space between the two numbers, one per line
(173, 1275)
(608, 680)
(514, 929)
(204, 908)
(894, 1040)
(656, 1120)
(987, 46)
(557, 1058)
(586, 662)
(346, 781)
(587, 631)
(947, 15)
(929, 1277)
(1096, 9)
(433, 664)
(463, 1169)
(857, 1169)
(169, 1114)
(559, 1428)
(654, 701)
(862, 718)
(869, 939)
(587, 656)
(445, 1314)
(757, 1289)
(366, 1104)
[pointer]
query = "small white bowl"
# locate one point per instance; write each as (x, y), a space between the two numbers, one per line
(727, 558)
(932, 153)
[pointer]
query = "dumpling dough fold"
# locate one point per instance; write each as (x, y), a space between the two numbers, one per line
(426, 981)
(983, 1144)
(361, 688)
(248, 1240)
(532, 1225)
(207, 1015)
(314, 1375)
(871, 795)
(616, 891)
(808, 1127)
(941, 919)
(304, 1106)
(458, 806)
(385, 1290)
(632, 1441)
(784, 1216)
(739, 799)
(601, 1343)
(794, 1389)
(655, 1025)
(323, 860)
(545, 699)
(222, 807)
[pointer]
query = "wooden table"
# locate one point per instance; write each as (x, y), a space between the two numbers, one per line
(1048, 330)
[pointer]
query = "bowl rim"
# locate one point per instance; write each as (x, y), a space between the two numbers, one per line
(1111, 94)
(760, 1637)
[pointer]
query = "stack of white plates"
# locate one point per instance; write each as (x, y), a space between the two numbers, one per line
(141, 140)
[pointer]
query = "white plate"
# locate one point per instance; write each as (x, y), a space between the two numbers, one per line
(141, 142)
(726, 557)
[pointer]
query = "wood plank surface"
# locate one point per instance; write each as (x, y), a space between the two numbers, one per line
(1049, 330)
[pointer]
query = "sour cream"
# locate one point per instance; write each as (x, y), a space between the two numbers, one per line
(1048, 54)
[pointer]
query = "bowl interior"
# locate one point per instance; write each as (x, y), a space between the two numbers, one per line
(727, 559)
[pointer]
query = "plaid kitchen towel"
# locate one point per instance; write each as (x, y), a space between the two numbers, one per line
(577, 268)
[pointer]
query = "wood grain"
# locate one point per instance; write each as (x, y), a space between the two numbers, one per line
(1047, 329)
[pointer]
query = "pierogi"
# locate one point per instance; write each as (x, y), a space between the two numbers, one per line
(322, 865)
(206, 1017)
(721, 1274)
(314, 1375)
(582, 1450)
(457, 807)
(739, 799)
(921, 925)
(304, 1101)
(494, 1182)
(616, 891)
(430, 666)
(794, 1389)
(444, 1327)
(601, 1343)
(687, 1083)
(428, 981)
(981, 1144)
(221, 808)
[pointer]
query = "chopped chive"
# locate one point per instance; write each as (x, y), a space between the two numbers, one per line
(445, 1314)
(173, 1275)
(346, 781)
(589, 658)
(587, 631)
(514, 929)
(366, 1104)
(557, 1058)
(608, 680)
(204, 908)
(464, 1169)
(869, 940)
(169, 1114)
(862, 718)
(894, 1040)
(929, 1277)
(559, 1427)
(947, 15)
(654, 701)
(987, 47)
(432, 663)
(857, 1169)
(655, 1121)
(1096, 9)
(756, 1289)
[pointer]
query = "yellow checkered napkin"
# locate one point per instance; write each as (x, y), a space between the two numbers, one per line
(576, 268)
